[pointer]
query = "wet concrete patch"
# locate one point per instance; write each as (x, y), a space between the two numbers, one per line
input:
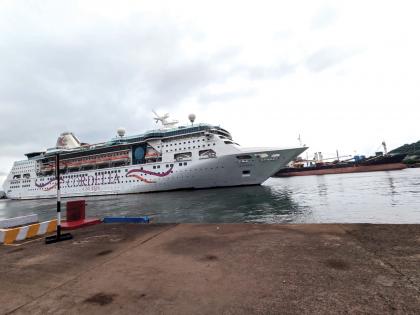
(101, 299)
(337, 264)
(210, 257)
(104, 252)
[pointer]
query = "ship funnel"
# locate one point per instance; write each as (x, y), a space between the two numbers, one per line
(67, 140)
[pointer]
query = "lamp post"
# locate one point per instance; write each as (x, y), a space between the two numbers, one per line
(58, 237)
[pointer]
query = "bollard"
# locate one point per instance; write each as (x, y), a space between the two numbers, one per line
(76, 216)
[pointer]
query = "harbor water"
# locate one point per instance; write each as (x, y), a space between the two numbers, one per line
(375, 197)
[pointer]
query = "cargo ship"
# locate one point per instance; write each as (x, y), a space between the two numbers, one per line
(379, 162)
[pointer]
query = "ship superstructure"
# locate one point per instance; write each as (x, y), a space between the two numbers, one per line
(185, 157)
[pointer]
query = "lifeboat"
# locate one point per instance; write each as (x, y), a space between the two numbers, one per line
(119, 158)
(151, 154)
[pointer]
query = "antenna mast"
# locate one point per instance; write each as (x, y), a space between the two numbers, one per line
(164, 120)
(385, 149)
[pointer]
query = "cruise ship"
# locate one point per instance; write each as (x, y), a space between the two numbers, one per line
(169, 158)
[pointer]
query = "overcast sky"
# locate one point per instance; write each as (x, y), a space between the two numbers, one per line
(342, 74)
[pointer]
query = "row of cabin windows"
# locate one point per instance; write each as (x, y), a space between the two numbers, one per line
(22, 166)
(189, 148)
(18, 181)
(103, 172)
(170, 165)
(185, 142)
(20, 169)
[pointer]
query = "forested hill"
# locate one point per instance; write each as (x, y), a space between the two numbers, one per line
(411, 149)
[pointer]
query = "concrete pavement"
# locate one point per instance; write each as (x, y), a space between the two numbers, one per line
(216, 269)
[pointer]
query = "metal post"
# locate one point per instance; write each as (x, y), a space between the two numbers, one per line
(57, 178)
(58, 237)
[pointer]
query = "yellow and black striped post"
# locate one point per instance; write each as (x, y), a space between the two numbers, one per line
(58, 237)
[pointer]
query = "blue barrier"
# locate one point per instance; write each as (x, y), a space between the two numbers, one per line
(144, 219)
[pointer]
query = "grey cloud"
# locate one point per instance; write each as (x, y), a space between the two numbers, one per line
(252, 72)
(270, 72)
(93, 81)
(263, 72)
(206, 98)
(328, 57)
(60, 74)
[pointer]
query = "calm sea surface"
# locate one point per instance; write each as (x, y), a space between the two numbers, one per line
(377, 197)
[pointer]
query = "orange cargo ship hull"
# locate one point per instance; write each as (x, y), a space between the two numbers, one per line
(349, 169)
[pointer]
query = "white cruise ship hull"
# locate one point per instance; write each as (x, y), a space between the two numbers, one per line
(221, 171)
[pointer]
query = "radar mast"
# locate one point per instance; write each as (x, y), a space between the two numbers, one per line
(163, 119)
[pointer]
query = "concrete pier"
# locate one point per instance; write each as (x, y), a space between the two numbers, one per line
(216, 269)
